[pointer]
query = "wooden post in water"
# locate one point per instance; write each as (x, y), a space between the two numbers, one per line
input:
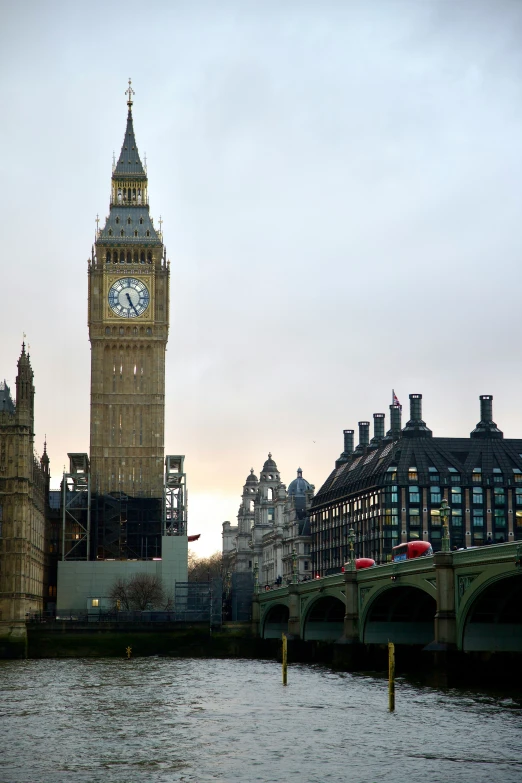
(391, 676)
(285, 659)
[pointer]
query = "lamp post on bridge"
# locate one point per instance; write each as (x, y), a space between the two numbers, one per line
(350, 565)
(444, 515)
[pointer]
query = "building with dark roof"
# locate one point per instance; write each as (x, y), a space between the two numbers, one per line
(389, 489)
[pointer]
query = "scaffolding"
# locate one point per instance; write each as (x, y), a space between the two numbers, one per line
(76, 509)
(126, 528)
(175, 496)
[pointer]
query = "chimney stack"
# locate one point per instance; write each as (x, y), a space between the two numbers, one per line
(486, 408)
(486, 428)
(395, 422)
(348, 448)
(378, 429)
(364, 436)
(416, 427)
(348, 442)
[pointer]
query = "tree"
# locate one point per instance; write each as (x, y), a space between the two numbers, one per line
(203, 569)
(142, 591)
(119, 596)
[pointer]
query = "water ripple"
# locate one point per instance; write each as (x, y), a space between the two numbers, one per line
(196, 721)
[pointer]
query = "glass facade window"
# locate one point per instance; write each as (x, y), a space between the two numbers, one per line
(435, 495)
(392, 496)
(518, 497)
(413, 474)
(414, 495)
(456, 518)
(434, 475)
(478, 519)
(477, 475)
(517, 475)
(435, 517)
(478, 495)
(454, 475)
(518, 518)
(500, 519)
(498, 477)
(499, 496)
(456, 495)
(391, 474)
(414, 517)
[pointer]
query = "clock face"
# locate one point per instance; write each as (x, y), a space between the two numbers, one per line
(129, 297)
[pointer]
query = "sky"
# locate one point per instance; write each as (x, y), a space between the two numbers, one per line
(340, 189)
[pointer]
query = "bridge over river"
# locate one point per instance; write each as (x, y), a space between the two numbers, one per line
(468, 600)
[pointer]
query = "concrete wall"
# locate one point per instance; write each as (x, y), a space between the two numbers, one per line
(81, 582)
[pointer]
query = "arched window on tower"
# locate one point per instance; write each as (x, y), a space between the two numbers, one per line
(269, 493)
(142, 257)
(122, 256)
(149, 257)
(134, 194)
(108, 257)
(139, 195)
(119, 196)
(129, 257)
(125, 194)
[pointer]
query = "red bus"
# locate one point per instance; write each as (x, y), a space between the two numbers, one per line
(361, 562)
(410, 550)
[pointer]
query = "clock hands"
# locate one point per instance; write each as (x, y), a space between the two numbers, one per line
(131, 302)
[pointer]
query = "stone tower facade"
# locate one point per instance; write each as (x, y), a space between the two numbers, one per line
(128, 329)
(24, 489)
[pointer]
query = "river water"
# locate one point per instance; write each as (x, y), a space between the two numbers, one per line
(157, 720)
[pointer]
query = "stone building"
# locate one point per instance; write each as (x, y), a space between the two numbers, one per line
(389, 490)
(24, 490)
(272, 523)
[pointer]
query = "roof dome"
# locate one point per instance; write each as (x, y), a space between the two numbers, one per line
(299, 485)
(269, 464)
(251, 478)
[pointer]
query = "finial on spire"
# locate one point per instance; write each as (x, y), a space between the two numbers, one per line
(269, 455)
(130, 92)
(160, 221)
(251, 470)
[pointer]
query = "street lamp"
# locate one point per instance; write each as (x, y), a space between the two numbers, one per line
(256, 577)
(444, 515)
(351, 541)
(294, 567)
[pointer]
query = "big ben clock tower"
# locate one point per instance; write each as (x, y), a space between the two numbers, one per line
(128, 330)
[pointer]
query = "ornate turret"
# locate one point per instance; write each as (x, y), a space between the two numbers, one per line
(25, 390)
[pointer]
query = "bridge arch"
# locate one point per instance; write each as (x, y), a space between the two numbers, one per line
(493, 620)
(324, 620)
(276, 621)
(403, 614)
